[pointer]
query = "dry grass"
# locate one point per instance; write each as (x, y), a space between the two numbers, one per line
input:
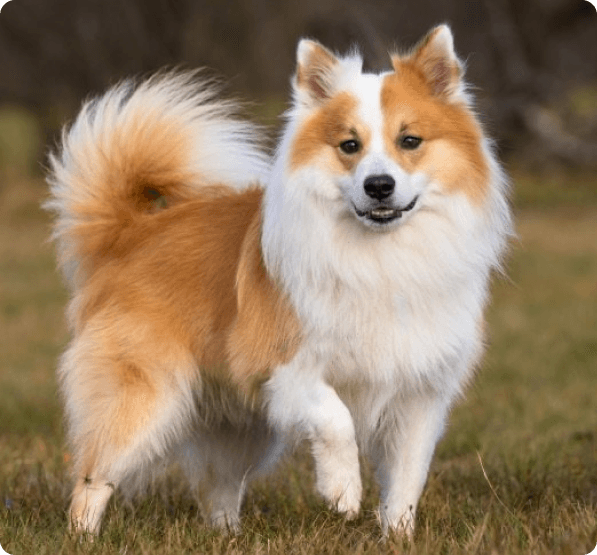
(515, 474)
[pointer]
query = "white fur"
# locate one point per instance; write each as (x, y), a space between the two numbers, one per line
(392, 318)
(298, 392)
(89, 506)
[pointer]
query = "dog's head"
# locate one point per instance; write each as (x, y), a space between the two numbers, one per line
(384, 146)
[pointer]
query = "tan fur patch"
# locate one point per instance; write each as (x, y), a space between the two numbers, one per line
(440, 70)
(147, 158)
(451, 149)
(320, 136)
(266, 332)
(135, 402)
(192, 274)
(312, 73)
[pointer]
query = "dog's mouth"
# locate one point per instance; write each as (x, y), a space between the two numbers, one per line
(385, 214)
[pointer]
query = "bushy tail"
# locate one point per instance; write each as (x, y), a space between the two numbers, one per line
(168, 137)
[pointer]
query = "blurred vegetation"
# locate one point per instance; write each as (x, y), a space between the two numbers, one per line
(533, 64)
(20, 140)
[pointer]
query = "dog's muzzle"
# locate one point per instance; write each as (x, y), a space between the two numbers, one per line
(385, 214)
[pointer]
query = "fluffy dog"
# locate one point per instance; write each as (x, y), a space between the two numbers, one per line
(224, 305)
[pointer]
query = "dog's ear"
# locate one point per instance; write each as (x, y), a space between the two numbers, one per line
(315, 70)
(434, 57)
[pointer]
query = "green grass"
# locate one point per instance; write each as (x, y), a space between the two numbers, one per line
(515, 474)
(20, 140)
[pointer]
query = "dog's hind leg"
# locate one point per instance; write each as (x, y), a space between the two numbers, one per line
(220, 462)
(122, 417)
(88, 504)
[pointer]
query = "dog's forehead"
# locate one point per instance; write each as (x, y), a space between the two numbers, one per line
(386, 99)
(366, 88)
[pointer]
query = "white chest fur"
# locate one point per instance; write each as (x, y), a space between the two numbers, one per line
(396, 338)
(402, 309)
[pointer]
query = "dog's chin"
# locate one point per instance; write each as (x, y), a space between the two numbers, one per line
(383, 218)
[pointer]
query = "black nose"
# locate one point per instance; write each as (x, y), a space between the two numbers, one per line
(379, 186)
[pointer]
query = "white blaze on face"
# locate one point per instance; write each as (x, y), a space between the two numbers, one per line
(376, 160)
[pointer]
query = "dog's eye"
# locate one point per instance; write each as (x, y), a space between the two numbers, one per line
(350, 147)
(409, 142)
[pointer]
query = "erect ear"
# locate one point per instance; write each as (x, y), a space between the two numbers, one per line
(314, 79)
(435, 58)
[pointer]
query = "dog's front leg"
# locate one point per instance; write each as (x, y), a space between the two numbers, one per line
(300, 401)
(403, 456)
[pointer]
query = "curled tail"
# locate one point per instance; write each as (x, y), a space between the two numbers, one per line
(168, 137)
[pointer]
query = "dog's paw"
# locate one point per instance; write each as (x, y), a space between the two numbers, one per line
(343, 496)
(226, 522)
(398, 523)
(349, 503)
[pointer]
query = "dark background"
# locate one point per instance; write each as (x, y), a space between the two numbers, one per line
(533, 63)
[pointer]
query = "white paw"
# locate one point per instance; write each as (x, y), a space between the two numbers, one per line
(87, 507)
(343, 496)
(225, 521)
(401, 523)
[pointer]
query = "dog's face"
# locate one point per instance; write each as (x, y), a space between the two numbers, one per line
(389, 144)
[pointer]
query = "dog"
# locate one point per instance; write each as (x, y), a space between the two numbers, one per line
(225, 305)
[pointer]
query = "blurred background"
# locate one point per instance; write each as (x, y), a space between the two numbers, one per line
(534, 62)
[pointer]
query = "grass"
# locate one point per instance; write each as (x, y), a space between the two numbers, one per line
(515, 474)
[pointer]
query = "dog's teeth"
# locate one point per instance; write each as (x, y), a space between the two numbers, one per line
(382, 212)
